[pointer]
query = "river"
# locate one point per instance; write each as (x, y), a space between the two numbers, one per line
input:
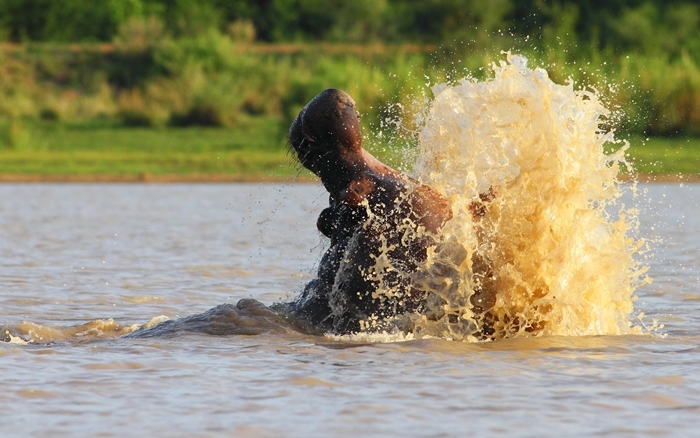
(123, 254)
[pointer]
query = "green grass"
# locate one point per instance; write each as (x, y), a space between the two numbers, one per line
(105, 150)
(666, 156)
(233, 164)
(254, 149)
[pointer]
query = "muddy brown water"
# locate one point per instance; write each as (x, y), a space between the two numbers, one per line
(73, 254)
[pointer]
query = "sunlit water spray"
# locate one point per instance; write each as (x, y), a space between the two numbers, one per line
(555, 252)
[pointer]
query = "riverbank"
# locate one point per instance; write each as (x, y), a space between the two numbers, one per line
(156, 179)
(254, 150)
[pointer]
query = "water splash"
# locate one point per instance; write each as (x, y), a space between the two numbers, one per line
(30, 332)
(555, 251)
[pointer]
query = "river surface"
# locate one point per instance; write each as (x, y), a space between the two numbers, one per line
(72, 254)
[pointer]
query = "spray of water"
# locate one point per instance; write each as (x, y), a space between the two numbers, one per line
(555, 251)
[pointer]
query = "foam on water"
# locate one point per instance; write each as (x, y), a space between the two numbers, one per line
(556, 253)
(30, 332)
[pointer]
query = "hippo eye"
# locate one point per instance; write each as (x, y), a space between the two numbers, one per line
(309, 138)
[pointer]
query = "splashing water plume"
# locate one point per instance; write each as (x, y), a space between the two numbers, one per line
(553, 254)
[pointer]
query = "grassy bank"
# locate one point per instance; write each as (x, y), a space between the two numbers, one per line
(666, 158)
(253, 150)
(105, 151)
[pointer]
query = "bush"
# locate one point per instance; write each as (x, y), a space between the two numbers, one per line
(211, 52)
(241, 31)
(49, 114)
(211, 80)
(139, 34)
(135, 110)
(200, 114)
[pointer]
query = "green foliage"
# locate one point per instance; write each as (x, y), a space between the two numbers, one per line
(211, 80)
(209, 51)
(187, 62)
(139, 34)
(308, 20)
(191, 18)
(65, 20)
(444, 21)
(670, 31)
(646, 26)
(241, 31)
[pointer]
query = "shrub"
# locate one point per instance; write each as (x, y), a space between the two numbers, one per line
(135, 110)
(200, 114)
(139, 34)
(49, 114)
(241, 31)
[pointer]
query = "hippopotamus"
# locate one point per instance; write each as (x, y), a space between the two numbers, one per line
(380, 223)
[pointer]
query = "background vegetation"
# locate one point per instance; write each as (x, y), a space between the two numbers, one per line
(120, 80)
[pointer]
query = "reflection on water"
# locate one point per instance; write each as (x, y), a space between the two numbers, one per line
(74, 254)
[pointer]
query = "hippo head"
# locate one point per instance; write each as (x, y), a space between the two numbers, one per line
(326, 131)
